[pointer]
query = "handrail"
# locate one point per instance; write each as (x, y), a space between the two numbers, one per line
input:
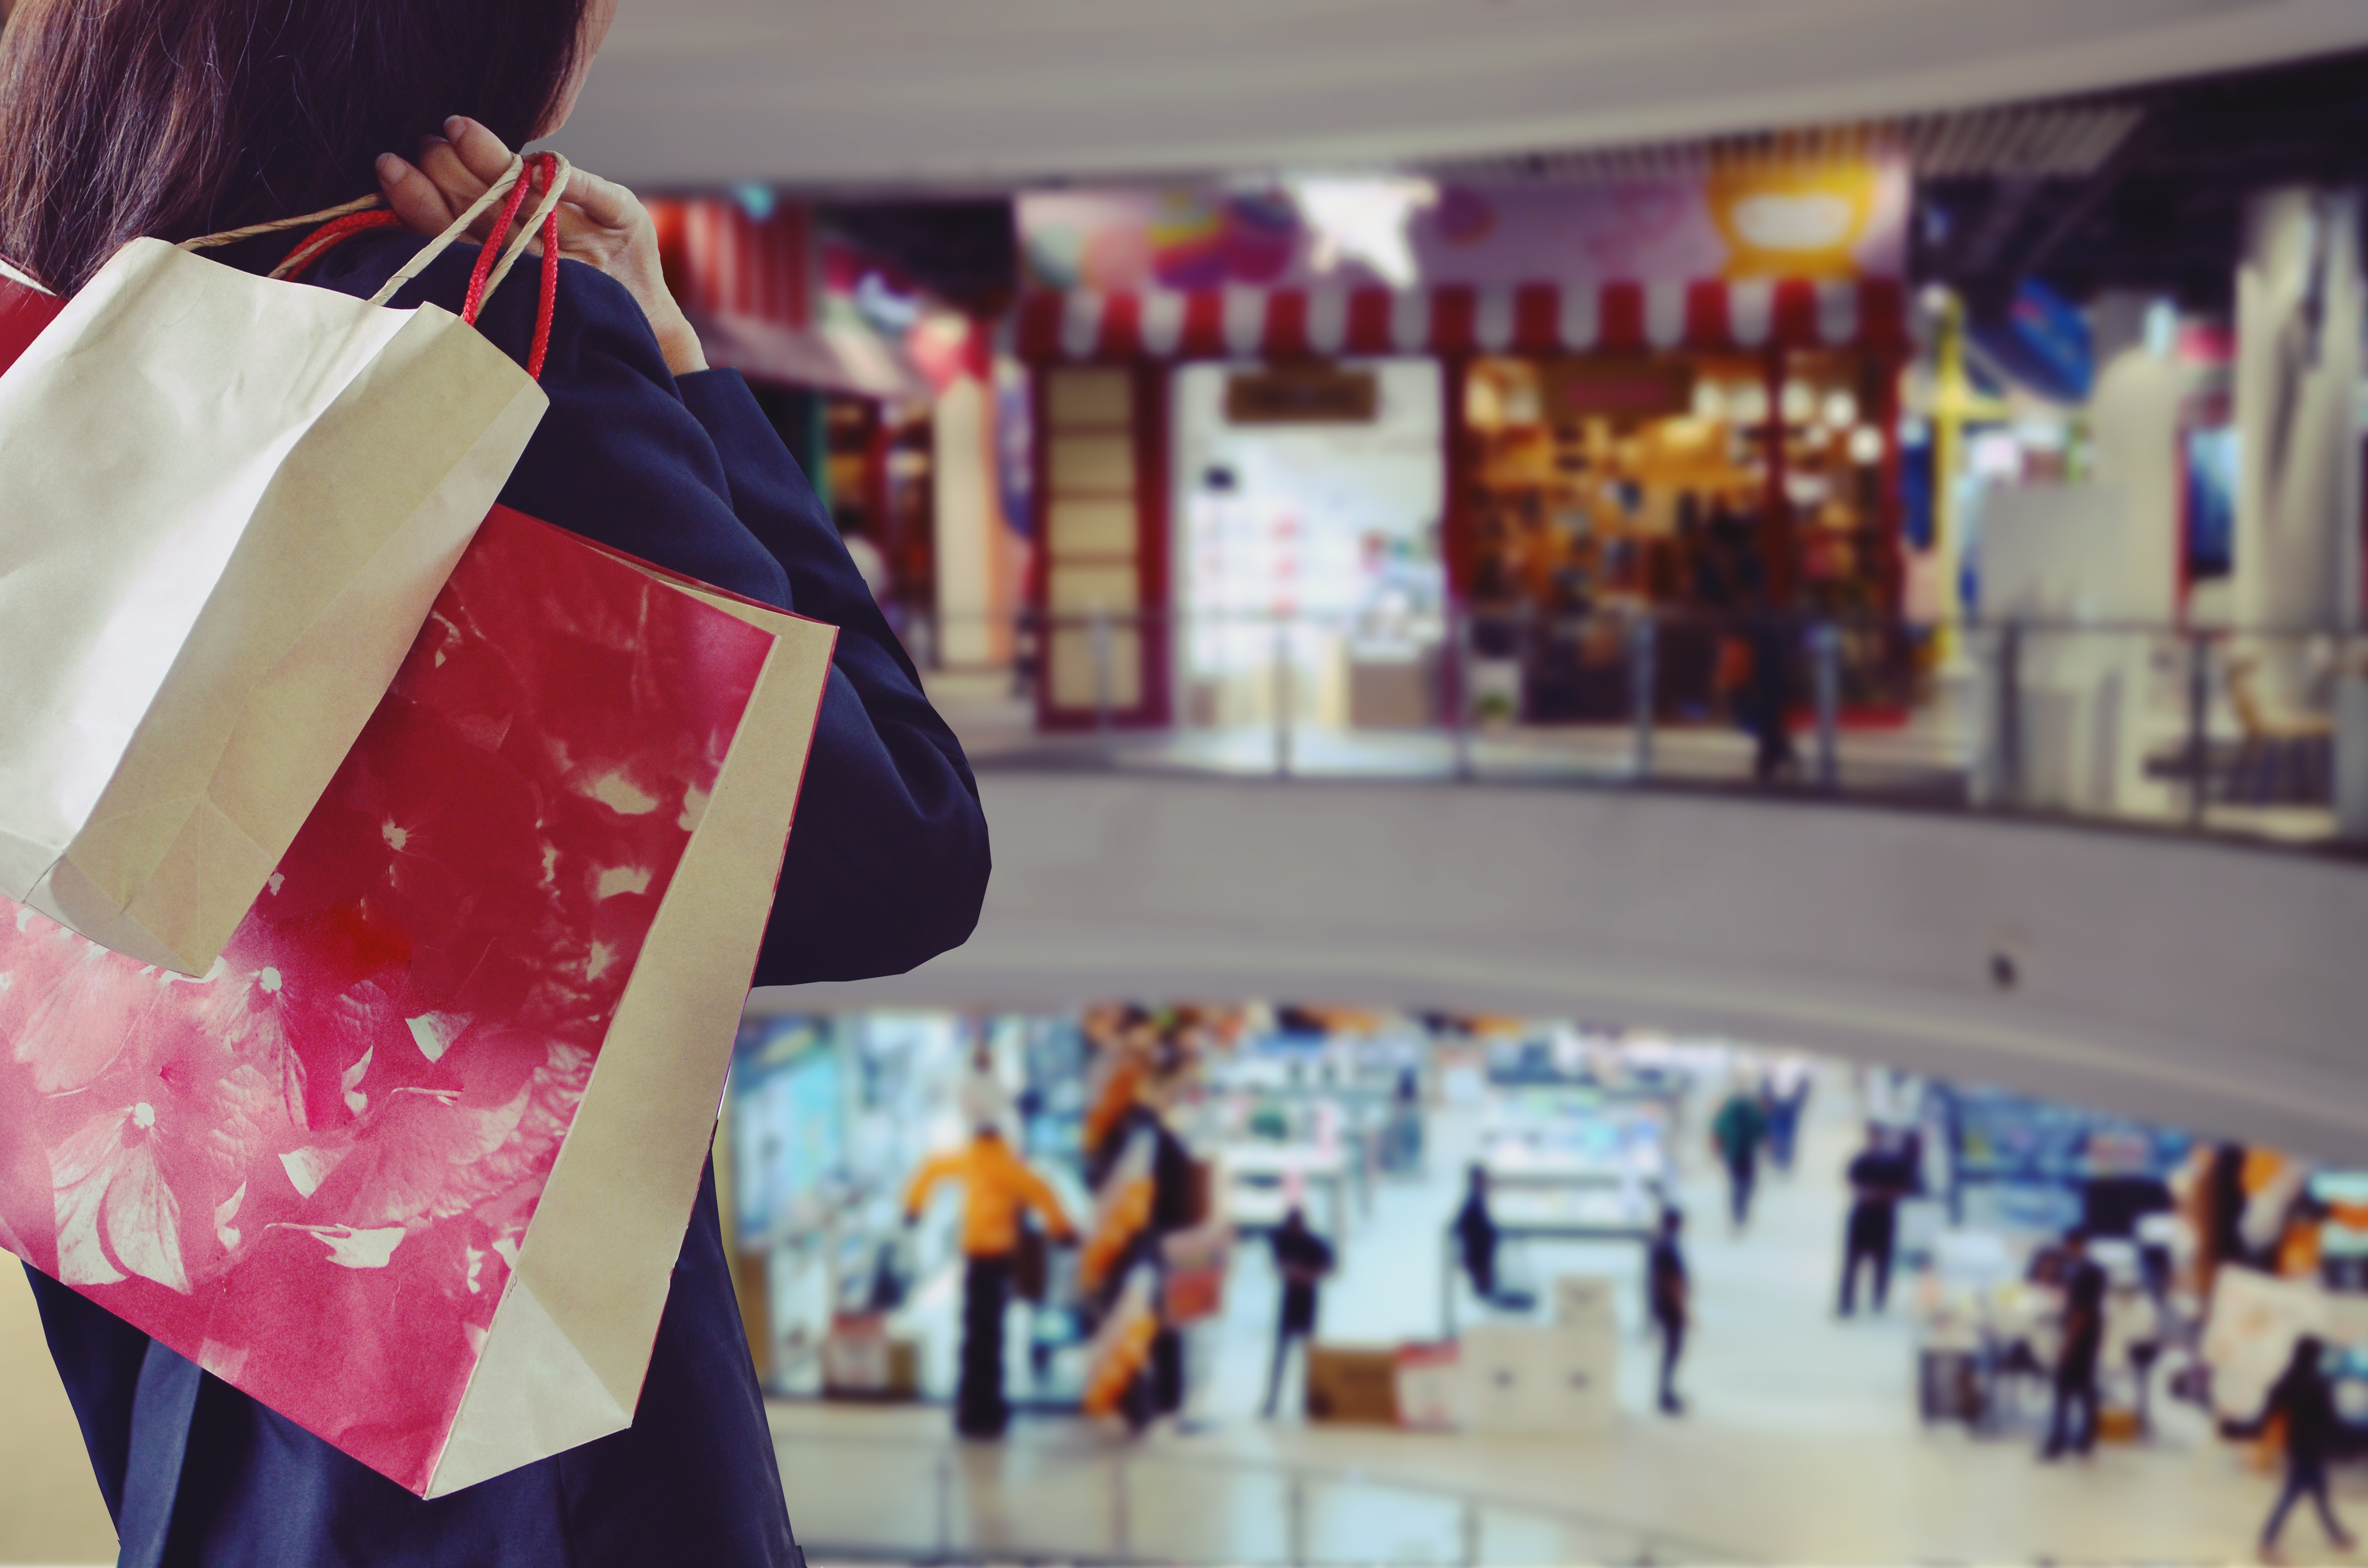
(2244, 731)
(1641, 1543)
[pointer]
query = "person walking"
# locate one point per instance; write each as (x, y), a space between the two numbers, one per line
(1878, 1180)
(997, 1187)
(1765, 705)
(1669, 1297)
(1736, 1133)
(1788, 1100)
(2076, 1363)
(208, 115)
(1476, 1232)
(1302, 1258)
(2303, 1399)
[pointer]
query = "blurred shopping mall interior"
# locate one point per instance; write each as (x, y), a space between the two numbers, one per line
(1674, 708)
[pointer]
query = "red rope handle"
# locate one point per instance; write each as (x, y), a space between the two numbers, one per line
(493, 245)
(543, 167)
(329, 237)
(546, 305)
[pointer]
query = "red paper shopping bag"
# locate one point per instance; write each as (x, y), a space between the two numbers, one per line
(411, 1165)
(24, 312)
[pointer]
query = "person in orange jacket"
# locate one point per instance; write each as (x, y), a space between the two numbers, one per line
(997, 1187)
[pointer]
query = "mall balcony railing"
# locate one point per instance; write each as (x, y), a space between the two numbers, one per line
(1070, 1497)
(2258, 732)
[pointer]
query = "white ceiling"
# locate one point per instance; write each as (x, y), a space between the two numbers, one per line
(989, 92)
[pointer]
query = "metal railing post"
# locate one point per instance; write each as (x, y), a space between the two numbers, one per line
(1459, 696)
(2199, 726)
(1102, 728)
(1471, 1542)
(1825, 662)
(1282, 698)
(2010, 715)
(1295, 1522)
(1643, 642)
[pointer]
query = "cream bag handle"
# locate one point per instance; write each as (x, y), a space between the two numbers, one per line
(493, 193)
(502, 187)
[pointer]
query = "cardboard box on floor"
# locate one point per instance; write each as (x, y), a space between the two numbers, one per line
(1353, 1384)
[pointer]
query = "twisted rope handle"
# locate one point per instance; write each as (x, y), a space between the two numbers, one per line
(232, 236)
(548, 169)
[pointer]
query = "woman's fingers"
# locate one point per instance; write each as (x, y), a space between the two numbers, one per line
(604, 203)
(478, 150)
(442, 162)
(415, 198)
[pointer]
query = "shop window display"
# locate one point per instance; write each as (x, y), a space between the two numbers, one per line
(1592, 490)
(1310, 497)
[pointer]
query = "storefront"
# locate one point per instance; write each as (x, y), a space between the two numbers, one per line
(1677, 397)
(883, 393)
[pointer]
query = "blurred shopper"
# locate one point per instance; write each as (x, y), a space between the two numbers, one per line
(1736, 1133)
(997, 1187)
(1302, 1258)
(1476, 1231)
(2305, 1403)
(1406, 1122)
(1669, 1295)
(1764, 706)
(2083, 1343)
(1788, 1099)
(1878, 1180)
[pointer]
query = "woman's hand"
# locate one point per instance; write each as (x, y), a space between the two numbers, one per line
(601, 224)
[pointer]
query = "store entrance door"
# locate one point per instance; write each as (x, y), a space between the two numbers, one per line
(1311, 588)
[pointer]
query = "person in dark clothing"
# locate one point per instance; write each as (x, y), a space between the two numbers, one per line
(2084, 1342)
(1475, 1231)
(1302, 1258)
(642, 448)
(1788, 1100)
(1736, 1133)
(2301, 1395)
(1878, 1179)
(1765, 704)
(1669, 1297)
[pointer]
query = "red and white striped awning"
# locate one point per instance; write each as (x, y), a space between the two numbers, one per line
(1534, 318)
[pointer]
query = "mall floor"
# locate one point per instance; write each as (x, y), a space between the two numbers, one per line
(1800, 1443)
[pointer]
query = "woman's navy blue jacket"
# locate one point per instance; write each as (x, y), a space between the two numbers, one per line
(886, 867)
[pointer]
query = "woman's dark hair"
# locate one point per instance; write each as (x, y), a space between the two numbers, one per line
(177, 118)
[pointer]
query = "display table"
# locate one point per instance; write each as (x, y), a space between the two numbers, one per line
(1606, 1225)
(1257, 1176)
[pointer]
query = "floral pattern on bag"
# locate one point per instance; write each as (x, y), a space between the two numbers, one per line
(311, 1171)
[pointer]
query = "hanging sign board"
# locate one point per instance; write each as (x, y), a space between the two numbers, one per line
(1633, 388)
(1303, 395)
(1745, 219)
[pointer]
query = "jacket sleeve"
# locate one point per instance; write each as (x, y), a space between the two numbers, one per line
(888, 863)
(937, 1168)
(887, 860)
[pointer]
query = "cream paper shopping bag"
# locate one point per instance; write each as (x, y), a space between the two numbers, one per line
(226, 505)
